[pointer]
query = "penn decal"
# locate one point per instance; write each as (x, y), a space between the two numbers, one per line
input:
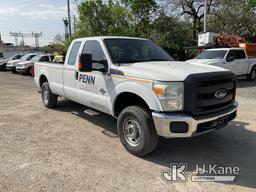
(88, 79)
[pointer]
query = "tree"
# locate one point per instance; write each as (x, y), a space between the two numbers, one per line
(191, 11)
(239, 20)
(58, 39)
(103, 18)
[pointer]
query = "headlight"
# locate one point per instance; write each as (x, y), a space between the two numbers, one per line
(170, 94)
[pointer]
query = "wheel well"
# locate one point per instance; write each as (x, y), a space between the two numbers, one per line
(42, 80)
(128, 99)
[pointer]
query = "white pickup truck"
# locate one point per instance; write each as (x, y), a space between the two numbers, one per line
(233, 59)
(137, 82)
(25, 67)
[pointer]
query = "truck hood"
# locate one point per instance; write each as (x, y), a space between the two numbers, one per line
(166, 70)
(24, 62)
(14, 62)
(204, 61)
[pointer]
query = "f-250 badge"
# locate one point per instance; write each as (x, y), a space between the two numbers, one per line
(88, 79)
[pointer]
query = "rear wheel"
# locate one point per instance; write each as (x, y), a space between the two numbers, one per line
(136, 131)
(49, 99)
(252, 75)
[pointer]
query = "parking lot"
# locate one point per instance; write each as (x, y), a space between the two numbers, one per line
(67, 150)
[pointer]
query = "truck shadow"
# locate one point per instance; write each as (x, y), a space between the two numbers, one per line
(233, 146)
(104, 121)
(242, 83)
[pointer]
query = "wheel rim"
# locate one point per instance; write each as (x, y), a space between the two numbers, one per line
(45, 95)
(253, 74)
(132, 132)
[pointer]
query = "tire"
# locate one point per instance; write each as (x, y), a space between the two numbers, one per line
(136, 131)
(29, 71)
(4, 67)
(252, 75)
(48, 98)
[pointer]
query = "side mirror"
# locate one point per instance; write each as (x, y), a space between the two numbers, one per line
(85, 62)
(230, 59)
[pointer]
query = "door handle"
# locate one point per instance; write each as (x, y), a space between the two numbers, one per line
(76, 75)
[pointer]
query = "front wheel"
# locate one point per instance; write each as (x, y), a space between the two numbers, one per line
(136, 131)
(252, 75)
(49, 99)
(4, 67)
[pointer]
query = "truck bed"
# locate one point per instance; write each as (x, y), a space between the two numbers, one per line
(54, 73)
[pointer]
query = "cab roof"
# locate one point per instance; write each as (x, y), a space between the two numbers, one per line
(109, 37)
(225, 49)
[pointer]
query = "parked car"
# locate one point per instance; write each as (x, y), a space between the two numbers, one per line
(25, 67)
(3, 62)
(11, 65)
(137, 82)
(233, 59)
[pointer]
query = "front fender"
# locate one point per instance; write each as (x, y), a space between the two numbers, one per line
(142, 90)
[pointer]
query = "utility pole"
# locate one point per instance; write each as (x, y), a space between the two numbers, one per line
(15, 35)
(69, 19)
(74, 23)
(37, 35)
(205, 15)
(65, 21)
(22, 35)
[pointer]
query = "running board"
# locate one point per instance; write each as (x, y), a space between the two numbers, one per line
(91, 112)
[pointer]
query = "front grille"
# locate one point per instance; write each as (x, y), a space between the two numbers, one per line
(200, 92)
(205, 95)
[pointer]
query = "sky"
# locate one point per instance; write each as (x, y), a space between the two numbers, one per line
(30, 16)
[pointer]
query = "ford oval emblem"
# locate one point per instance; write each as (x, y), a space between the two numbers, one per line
(221, 93)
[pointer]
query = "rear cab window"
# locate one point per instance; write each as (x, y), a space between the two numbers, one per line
(74, 53)
(240, 54)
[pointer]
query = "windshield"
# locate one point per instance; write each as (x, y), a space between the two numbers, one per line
(16, 57)
(135, 50)
(36, 58)
(220, 54)
(27, 57)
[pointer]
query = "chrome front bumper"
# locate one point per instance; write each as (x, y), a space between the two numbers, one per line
(162, 122)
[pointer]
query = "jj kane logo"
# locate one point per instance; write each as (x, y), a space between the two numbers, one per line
(203, 172)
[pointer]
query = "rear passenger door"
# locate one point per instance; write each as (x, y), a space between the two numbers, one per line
(242, 62)
(69, 71)
(233, 64)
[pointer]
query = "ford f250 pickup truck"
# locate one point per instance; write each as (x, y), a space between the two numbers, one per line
(233, 59)
(149, 93)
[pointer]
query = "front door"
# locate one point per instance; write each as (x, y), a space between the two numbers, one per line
(92, 86)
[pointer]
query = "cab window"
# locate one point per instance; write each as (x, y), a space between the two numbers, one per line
(44, 58)
(98, 57)
(232, 54)
(240, 54)
(73, 53)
